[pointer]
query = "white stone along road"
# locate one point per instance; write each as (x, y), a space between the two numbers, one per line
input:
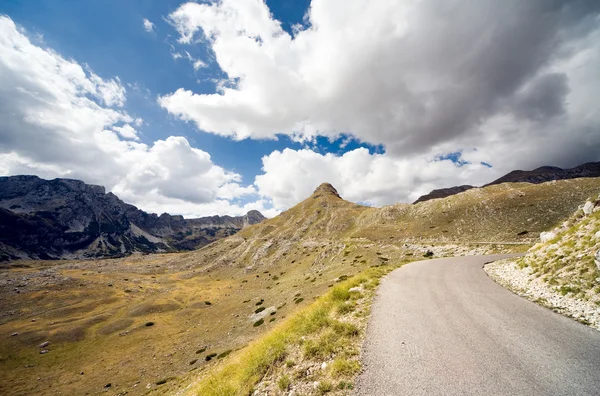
(442, 327)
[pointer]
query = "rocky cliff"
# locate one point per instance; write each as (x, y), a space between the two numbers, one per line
(64, 218)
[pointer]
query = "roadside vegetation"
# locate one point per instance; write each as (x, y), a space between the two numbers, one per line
(315, 351)
(562, 272)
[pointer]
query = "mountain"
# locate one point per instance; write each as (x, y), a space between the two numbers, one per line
(109, 318)
(536, 176)
(64, 218)
(443, 192)
(320, 228)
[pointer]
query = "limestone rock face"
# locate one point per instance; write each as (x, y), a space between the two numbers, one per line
(64, 218)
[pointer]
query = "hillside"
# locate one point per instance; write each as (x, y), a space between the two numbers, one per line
(508, 212)
(145, 319)
(63, 218)
(540, 175)
(563, 270)
(158, 322)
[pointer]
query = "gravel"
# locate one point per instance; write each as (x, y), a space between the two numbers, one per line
(521, 282)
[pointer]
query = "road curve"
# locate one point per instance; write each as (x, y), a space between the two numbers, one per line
(442, 327)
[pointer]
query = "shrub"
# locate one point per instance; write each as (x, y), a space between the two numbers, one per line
(210, 356)
(224, 354)
(344, 367)
(284, 382)
(259, 309)
(258, 322)
(324, 387)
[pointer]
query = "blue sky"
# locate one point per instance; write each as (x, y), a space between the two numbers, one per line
(110, 37)
(380, 99)
(121, 47)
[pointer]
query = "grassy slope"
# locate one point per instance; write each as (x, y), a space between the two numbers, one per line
(323, 331)
(495, 213)
(567, 261)
(301, 251)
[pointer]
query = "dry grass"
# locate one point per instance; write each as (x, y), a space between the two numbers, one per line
(317, 330)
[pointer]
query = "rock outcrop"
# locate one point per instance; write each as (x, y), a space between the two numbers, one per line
(443, 193)
(64, 218)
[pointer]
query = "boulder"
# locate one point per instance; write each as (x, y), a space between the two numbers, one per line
(588, 208)
(597, 259)
(547, 236)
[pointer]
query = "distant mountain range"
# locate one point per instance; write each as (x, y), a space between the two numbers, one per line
(64, 218)
(536, 176)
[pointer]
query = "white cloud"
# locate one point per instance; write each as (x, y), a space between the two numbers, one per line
(410, 75)
(61, 120)
(198, 64)
(148, 26)
(126, 132)
(378, 179)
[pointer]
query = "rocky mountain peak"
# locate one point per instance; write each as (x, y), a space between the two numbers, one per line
(62, 218)
(252, 217)
(324, 190)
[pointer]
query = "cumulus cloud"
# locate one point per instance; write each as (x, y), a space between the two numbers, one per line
(148, 26)
(126, 132)
(59, 119)
(377, 179)
(509, 78)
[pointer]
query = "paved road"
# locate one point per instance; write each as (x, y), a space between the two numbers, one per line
(442, 327)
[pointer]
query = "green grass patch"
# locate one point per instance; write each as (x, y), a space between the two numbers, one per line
(284, 382)
(344, 367)
(316, 322)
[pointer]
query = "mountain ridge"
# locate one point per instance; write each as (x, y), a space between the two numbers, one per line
(67, 218)
(539, 175)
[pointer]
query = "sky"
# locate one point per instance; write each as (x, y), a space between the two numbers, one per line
(221, 107)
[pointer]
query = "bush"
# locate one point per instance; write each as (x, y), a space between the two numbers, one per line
(284, 382)
(324, 387)
(224, 354)
(344, 367)
(258, 322)
(210, 356)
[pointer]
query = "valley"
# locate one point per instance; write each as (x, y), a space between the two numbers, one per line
(155, 323)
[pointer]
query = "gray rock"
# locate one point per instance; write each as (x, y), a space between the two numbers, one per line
(597, 259)
(44, 351)
(547, 236)
(588, 208)
(44, 344)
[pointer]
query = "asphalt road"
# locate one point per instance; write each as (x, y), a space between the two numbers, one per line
(442, 327)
